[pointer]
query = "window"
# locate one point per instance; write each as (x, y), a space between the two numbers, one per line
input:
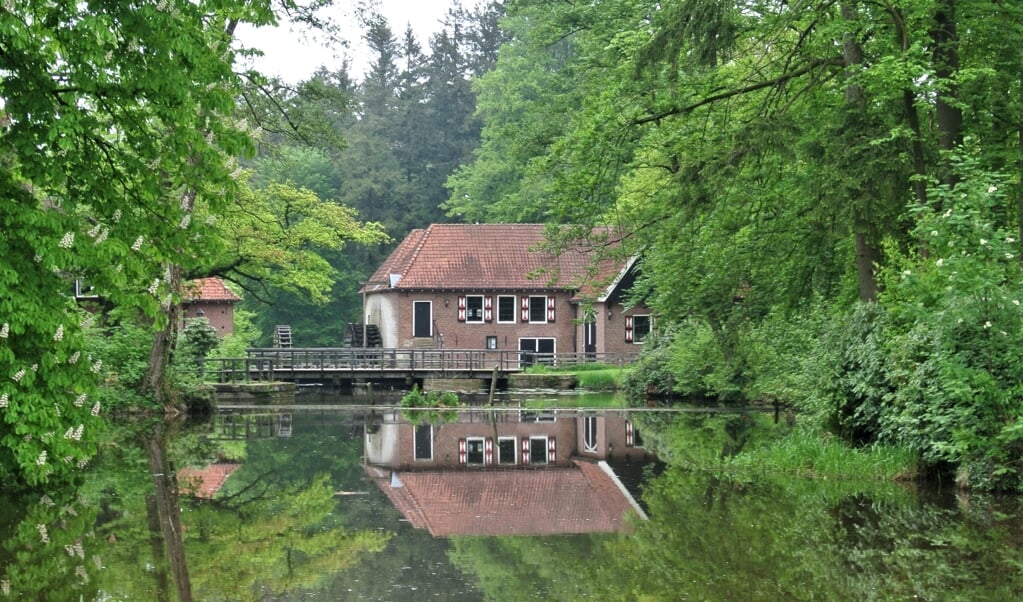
(423, 442)
(536, 349)
(538, 310)
(474, 450)
(84, 290)
(506, 450)
(637, 328)
(541, 450)
(491, 342)
(505, 309)
(590, 434)
(474, 308)
(640, 328)
(538, 450)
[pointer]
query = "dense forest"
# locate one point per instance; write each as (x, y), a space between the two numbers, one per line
(825, 195)
(382, 143)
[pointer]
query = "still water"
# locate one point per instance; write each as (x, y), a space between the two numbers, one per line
(531, 501)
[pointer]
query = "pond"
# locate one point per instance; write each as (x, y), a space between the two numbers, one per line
(534, 500)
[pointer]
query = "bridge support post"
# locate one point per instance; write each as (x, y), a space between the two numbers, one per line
(493, 384)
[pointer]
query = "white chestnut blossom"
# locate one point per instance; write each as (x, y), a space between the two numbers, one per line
(67, 241)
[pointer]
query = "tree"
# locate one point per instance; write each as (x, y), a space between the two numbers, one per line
(117, 130)
(763, 156)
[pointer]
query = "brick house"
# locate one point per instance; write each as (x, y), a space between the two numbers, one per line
(524, 473)
(211, 299)
(485, 286)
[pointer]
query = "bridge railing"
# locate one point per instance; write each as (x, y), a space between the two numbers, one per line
(261, 364)
(236, 369)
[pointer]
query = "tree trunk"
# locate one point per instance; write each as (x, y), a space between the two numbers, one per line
(867, 254)
(168, 510)
(946, 63)
(162, 349)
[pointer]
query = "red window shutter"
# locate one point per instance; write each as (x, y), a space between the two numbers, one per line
(461, 451)
(488, 309)
(628, 329)
(525, 308)
(525, 450)
(550, 308)
(552, 457)
(488, 451)
(461, 309)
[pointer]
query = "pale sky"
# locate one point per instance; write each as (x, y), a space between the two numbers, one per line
(290, 56)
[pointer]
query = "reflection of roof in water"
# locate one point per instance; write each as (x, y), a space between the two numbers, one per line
(204, 482)
(586, 498)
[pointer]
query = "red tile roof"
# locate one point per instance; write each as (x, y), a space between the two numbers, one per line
(475, 256)
(209, 289)
(205, 482)
(547, 501)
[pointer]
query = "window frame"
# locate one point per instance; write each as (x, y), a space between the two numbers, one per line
(482, 304)
(546, 449)
(469, 441)
(501, 460)
(591, 434)
(534, 300)
(511, 309)
(636, 318)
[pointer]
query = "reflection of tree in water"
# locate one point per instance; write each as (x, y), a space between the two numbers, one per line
(533, 568)
(276, 530)
(48, 550)
(714, 537)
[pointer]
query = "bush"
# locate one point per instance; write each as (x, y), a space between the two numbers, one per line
(432, 407)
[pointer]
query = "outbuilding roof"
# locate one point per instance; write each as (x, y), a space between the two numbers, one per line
(209, 289)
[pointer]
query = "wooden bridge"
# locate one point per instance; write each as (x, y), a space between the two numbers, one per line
(341, 366)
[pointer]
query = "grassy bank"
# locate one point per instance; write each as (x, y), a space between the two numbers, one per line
(592, 377)
(747, 445)
(806, 454)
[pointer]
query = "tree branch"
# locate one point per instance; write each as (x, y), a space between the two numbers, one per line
(814, 64)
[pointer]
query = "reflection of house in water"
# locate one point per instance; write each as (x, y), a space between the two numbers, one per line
(205, 482)
(267, 425)
(507, 473)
